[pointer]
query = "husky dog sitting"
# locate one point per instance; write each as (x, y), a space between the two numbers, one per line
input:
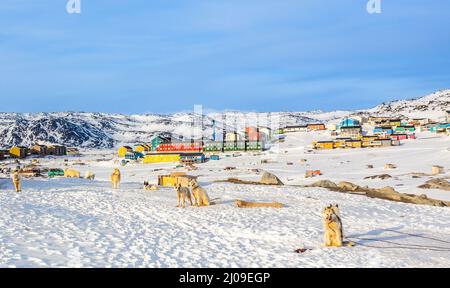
(115, 178)
(182, 193)
(200, 196)
(332, 224)
(89, 175)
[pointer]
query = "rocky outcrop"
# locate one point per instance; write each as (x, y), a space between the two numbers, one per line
(270, 179)
(437, 183)
(386, 193)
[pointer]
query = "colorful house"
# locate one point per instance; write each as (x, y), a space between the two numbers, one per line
(232, 136)
(279, 131)
(38, 149)
(234, 146)
(395, 122)
(266, 131)
(190, 158)
(156, 140)
(385, 121)
(161, 157)
(404, 129)
(323, 145)
(383, 131)
(56, 150)
(180, 147)
(316, 126)
(253, 146)
(132, 156)
(440, 128)
(367, 140)
(123, 150)
(341, 142)
(331, 127)
(419, 121)
(351, 131)
(349, 122)
(353, 144)
(213, 146)
(295, 128)
(253, 134)
(143, 148)
(18, 152)
(385, 142)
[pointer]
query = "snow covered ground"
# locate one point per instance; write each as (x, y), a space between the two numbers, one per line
(80, 223)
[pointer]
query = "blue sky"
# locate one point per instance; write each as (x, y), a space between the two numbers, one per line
(163, 56)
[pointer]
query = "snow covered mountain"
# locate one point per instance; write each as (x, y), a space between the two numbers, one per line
(100, 130)
(431, 106)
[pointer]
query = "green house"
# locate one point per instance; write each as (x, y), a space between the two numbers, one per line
(403, 129)
(158, 139)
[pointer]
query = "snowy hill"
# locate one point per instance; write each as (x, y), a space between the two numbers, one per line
(431, 106)
(100, 130)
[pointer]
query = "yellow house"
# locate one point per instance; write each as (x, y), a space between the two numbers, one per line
(18, 152)
(161, 157)
(340, 143)
(143, 148)
(395, 122)
(123, 150)
(367, 140)
(353, 144)
(324, 145)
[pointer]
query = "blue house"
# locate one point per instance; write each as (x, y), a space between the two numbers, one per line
(442, 127)
(133, 155)
(349, 122)
(383, 131)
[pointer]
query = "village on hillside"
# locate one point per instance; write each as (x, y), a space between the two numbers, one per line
(351, 132)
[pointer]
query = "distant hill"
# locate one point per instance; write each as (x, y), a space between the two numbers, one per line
(101, 130)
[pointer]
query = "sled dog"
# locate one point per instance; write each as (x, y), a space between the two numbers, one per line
(182, 193)
(200, 196)
(115, 178)
(16, 181)
(332, 224)
(89, 175)
(148, 186)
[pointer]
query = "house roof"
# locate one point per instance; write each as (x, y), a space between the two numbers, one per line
(351, 127)
(296, 126)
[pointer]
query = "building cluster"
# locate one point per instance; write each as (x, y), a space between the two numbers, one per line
(164, 149)
(21, 152)
(303, 128)
(380, 131)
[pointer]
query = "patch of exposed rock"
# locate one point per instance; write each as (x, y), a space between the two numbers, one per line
(437, 183)
(387, 193)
